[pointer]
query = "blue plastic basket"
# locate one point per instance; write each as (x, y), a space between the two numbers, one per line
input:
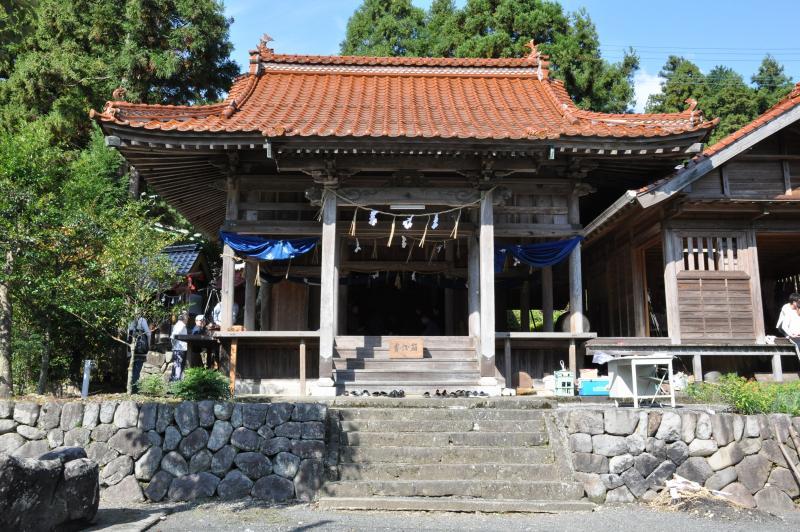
(594, 387)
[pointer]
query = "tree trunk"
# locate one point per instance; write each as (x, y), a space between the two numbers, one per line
(6, 388)
(44, 370)
(131, 362)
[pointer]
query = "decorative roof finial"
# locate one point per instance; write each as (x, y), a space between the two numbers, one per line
(119, 94)
(265, 40)
(534, 53)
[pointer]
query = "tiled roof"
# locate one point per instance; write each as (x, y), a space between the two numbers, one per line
(343, 96)
(183, 257)
(788, 103)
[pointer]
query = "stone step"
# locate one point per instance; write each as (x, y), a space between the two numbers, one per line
(546, 490)
(407, 404)
(413, 390)
(442, 425)
(421, 364)
(431, 414)
(446, 455)
(452, 504)
(432, 377)
(444, 439)
(400, 471)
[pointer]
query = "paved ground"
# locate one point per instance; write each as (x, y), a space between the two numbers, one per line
(254, 517)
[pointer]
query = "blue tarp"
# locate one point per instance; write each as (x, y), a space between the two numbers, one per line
(538, 255)
(262, 248)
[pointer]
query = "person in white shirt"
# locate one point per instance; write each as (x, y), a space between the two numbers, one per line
(179, 347)
(789, 320)
(216, 314)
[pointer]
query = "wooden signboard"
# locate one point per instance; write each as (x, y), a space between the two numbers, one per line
(406, 347)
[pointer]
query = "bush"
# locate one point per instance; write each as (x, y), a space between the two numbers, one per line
(152, 385)
(201, 383)
(750, 397)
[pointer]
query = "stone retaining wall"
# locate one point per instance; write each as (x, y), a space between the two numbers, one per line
(622, 455)
(181, 451)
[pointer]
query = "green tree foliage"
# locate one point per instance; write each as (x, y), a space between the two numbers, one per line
(682, 80)
(79, 51)
(722, 93)
(201, 383)
(771, 83)
(78, 260)
(498, 28)
(729, 98)
(385, 28)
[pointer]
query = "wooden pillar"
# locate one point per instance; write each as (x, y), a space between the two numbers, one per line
(474, 282)
(232, 365)
(226, 292)
(547, 298)
(673, 253)
(228, 270)
(507, 353)
(341, 318)
(697, 367)
(575, 286)
(250, 269)
(777, 368)
(265, 293)
(755, 289)
(525, 307)
(449, 307)
(328, 288)
(302, 361)
(486, 248)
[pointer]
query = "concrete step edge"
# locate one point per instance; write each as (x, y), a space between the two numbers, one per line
(452, 504)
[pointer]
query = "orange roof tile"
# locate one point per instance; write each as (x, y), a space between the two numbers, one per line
(408, 97)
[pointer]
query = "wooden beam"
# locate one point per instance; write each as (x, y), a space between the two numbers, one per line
(755, 286)
(226, 293)
(376, 196)
(537, 230)
(486, 247)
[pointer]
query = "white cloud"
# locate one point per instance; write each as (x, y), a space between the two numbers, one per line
(645, 84)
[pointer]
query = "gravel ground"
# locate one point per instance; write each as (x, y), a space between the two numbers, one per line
(248, 516)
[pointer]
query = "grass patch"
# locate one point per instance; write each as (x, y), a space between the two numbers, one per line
(750, 397)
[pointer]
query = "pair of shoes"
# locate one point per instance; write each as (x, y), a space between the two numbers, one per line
(443, 393)
(397, 393)
(365, 393)
(428, 394)
(483, 394)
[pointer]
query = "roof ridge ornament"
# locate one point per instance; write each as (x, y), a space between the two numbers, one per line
(692, 110)
(119, 93)
(541, 60)
(265, 40)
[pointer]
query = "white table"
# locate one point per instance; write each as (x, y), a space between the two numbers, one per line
(625, 377)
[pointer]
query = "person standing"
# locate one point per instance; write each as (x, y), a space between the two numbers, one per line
(179, 347)
(789, 320)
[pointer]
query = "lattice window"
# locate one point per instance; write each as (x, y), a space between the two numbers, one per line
(711, 253)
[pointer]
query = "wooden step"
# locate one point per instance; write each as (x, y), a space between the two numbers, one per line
(398, 379)
(430, 342)
(399, 365)
(456, 353)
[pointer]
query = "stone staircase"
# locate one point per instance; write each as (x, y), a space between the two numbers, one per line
(363, 363)
(449, 455)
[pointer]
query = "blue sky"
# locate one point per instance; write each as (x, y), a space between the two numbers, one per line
(736, 33)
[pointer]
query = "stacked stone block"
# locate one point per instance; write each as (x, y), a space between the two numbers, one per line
(622, 455)
(182, 451)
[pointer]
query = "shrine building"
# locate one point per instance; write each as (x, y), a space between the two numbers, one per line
(427, 223)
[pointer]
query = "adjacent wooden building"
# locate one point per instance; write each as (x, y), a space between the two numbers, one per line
(699, 263)
(410, 172)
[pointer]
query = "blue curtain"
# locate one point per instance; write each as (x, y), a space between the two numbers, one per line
(538, 255)
(262, 248)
